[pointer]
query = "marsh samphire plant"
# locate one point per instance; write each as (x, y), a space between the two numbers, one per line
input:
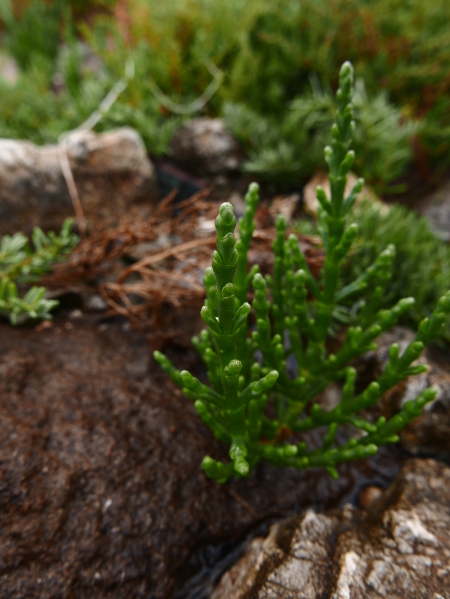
(295, 313)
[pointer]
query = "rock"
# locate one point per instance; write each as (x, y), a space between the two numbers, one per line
(145, 248)
(75, 314)
(96, 303)
(399, 548)
(238, 202)
(310, 202)
(101, 489)
(9, 71)
(205, 226)
(285, 205)
(206, 147)
(171, 178)
(437, 210)
(111, 171)
(429, 434)
(368, 495)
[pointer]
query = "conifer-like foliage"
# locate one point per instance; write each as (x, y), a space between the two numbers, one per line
(22, 263)
(294, 313)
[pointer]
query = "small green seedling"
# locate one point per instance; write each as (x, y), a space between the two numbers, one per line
(20, 264)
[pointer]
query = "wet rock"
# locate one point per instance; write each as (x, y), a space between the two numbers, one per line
(310, 203)
(429, 434)
(437, 210)
(111, 171)
(206, 147)
(399, 548)
(101, 490)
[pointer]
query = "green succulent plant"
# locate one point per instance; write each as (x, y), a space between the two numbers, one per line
(294, 315)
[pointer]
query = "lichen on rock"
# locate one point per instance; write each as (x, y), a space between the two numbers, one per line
(399, 548)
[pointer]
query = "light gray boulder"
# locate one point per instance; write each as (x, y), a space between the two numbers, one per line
(111, 172)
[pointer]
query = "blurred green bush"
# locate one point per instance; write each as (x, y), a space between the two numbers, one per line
(279, 148)
(279, 59)
(421, 266)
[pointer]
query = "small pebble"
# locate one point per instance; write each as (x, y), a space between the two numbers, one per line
(75, 314)
(205, 226)
(368, 495)
(46, 324)
(96, 303)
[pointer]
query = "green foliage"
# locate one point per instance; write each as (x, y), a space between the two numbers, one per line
(436, 133)
(36, 35)
(276, 146)
(269, 52)
(403, 46)
(294, 314)
(421, 265)
(30, 109)
(20, 263)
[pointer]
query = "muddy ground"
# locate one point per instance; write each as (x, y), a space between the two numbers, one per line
(101, 491)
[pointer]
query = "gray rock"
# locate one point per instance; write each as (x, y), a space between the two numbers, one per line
(144, 249)
(285, 205)
(111, 172)
(399, 548)
(95, 303)
(206, 147)
(9, 71)
(238, 202)
(437, 210)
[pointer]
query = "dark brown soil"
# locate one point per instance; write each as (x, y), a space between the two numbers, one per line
(101, 491)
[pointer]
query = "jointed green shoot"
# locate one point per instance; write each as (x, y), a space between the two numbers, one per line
(294, 313)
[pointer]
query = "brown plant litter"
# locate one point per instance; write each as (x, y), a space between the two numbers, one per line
(178, 239)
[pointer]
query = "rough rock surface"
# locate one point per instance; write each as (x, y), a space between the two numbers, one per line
(101, 491)
(428, 435)
(437, 210)
(111, 172)
(206, 147)
(398, 549)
